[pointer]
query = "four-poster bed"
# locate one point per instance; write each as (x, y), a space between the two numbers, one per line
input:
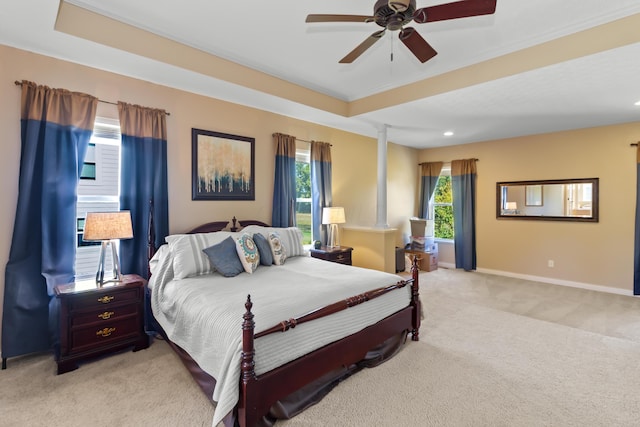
(269, 389)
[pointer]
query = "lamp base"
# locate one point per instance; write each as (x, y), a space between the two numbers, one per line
(117, 275)
(334, 239)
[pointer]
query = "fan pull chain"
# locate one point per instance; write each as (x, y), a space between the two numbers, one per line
(391, 41)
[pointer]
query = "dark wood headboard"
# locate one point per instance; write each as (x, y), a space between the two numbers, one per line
(209, 227)
(214, 226)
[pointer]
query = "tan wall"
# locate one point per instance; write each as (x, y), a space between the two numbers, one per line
(354, 156)
(589, 253)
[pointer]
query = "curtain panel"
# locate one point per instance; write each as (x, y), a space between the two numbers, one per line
(143, 183)
(636, 251)
(463, 183)
(284, 185)
(320, 187)
(56, 126)
(429, 174)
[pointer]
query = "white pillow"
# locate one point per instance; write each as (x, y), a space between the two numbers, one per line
(248, 253)
(278, 251)
(188, 258)
(290, 237)
(155, 260)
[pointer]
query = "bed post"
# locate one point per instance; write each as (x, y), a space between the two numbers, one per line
(151, 239)
(246, 406)
(415, 301)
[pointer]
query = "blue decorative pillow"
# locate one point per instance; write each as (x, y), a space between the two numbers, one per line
(224, 257)
(266, 258)
(248, 253)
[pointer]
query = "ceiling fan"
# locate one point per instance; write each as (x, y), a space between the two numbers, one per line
(393, 15)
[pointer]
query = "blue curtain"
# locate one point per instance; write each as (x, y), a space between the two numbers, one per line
(429, 174)
(284, 185)
(320, 187)
(143, 183)
(463, 187)
(636, 251)
(56, 127)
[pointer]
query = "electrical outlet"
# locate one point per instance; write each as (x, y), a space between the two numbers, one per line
(550, 263)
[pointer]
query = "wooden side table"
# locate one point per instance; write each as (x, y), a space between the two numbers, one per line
(97, 320)
(339, 254)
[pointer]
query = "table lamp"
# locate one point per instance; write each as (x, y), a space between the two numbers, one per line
(106, 227)
(333, 216)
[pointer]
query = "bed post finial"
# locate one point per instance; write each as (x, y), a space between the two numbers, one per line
(234, 227)
(247, 366)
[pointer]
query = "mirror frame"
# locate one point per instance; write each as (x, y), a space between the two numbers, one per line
(595, 215)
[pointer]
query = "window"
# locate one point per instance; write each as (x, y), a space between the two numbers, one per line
(98, 190)
(442, 206)
(89, 165)
(303, 193)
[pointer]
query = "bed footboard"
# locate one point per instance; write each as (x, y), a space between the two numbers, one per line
(257, 394)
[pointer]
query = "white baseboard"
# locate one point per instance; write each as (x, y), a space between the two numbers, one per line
(549, 280)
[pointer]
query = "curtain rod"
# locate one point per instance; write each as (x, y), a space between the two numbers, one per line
(99, 100)
(424, 163)
(303, 140)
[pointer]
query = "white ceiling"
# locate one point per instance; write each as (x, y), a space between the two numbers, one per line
(572, 91)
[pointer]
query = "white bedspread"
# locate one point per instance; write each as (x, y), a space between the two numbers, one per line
(203, 314)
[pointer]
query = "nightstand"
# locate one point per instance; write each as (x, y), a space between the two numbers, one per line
(339, 254)
(96, 320)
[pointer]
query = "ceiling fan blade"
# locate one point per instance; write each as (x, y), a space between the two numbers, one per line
(458, 9)
(417, 45)
(362, 47)
(339, 18)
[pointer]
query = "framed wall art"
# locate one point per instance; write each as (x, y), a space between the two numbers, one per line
(223, 166)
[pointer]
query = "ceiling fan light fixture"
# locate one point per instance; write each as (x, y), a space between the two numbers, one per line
(399, 5)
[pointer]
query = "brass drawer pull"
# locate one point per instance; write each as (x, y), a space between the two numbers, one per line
(106, 299)
(340, 256)
(106, 315)
(105, 332)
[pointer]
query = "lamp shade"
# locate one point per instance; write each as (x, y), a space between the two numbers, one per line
(107, 226)
(333, 215)
(511, 205)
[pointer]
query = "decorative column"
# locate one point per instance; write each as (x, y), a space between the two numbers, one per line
(381, 205)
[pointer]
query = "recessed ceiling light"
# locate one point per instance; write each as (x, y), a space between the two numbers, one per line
(637, 103)
(448, 133)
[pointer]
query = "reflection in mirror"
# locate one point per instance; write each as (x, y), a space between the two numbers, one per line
(558, 200)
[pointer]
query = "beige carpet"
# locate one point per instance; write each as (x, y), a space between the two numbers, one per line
(493, 352)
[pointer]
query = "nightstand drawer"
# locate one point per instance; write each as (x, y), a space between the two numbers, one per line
(342, 258)
(340, 254)
(105, 314)
(95, 336)
(104, 299)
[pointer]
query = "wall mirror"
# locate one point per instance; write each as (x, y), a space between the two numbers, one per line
(552, 200)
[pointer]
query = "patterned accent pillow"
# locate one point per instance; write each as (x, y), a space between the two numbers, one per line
(188, 258)
(266, 258)
(277, 249)
(224, 257)
(290, 237)
(248, 253)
